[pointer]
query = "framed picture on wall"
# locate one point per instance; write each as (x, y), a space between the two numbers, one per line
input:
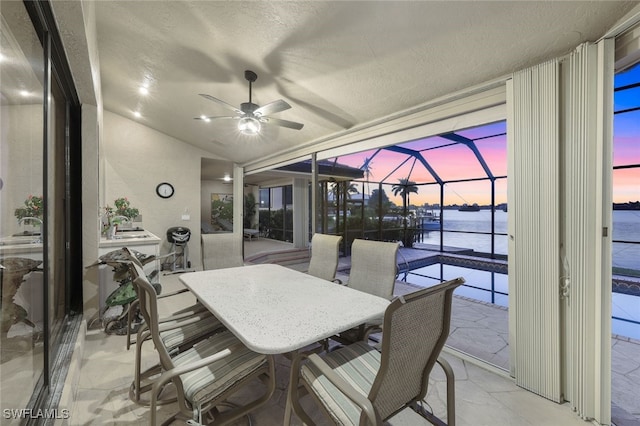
(222, 212)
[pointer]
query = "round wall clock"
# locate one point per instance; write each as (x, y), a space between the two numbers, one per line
(164, 190)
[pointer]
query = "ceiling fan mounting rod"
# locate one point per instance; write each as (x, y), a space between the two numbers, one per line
(250, 76)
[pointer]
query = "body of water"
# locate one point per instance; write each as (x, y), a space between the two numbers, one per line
(491, 287)
(626, 227)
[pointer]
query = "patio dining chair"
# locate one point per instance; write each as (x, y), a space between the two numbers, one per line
(357, 385)
(207, 374)
(178, 331)
(373, 270)
(324, 256)
(181, 313)
(222, 250)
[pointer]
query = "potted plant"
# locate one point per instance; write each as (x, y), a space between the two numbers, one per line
(249, 210)
(31, 212)
(114, 217)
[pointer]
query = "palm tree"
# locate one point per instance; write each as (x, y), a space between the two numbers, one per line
(404, 188)
(351, 189)
(366, 168)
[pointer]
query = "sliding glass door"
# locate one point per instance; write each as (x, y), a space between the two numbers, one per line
(22, 218)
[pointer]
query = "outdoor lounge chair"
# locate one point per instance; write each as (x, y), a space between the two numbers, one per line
(222, 250)
(357, 385)
(324, 256)
(207, 374)
(373, 270)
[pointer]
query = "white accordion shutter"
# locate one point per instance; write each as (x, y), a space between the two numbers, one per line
(560, 119)
(534, 200)
(588, 73)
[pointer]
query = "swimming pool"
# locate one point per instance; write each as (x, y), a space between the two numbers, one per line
(487, 281)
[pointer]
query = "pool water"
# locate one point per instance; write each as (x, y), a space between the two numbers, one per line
(493, 287)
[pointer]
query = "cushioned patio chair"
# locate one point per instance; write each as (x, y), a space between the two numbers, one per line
(178, 331)
(183, 312)
(357, 385)
(324, 256)
(373, 270)
(207, 374)
(223, 250)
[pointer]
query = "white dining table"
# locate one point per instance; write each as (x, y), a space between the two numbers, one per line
(276, 310)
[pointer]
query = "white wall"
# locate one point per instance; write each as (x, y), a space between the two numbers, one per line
(90, 204)
(136, 159)
(20, 161)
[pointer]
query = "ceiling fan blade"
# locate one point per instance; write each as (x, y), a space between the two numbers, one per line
(212, 117)
(283, 123)
(272, 107)
(223, 103)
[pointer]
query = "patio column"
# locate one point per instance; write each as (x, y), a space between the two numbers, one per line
(300, 212)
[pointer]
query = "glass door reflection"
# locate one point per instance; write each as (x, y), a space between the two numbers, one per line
(21, 207)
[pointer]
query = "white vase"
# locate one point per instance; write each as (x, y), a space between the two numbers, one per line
(111, 232)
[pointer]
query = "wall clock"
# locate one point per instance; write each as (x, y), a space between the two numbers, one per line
(164, 190)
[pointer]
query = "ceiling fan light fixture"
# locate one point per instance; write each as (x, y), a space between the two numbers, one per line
(249, 126)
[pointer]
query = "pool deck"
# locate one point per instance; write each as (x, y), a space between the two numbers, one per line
(478, 329)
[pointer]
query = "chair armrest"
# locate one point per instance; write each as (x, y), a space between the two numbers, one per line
(166, 377)
(183, 315)
(170, 325)
(370, 330)
(176, 371)
(350, 392)
(173, 293)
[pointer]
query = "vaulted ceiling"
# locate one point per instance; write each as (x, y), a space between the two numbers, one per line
(337, 63)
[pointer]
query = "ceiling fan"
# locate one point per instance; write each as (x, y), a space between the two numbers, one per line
(251, 116)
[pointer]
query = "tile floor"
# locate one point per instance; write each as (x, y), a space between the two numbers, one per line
(482, 396)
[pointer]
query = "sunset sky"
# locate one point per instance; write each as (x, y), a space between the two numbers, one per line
(455, 161)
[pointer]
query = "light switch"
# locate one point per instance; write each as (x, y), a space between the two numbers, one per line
(186, 216)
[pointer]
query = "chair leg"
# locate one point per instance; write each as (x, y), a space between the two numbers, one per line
(137, 388)
(451, 401)
(137, 379)
(451, 390)
(245, 410)
(129, 321)
(293, 397)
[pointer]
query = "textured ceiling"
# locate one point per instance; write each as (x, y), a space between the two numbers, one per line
(338, 63)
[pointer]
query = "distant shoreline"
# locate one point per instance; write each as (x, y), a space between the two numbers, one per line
(631, 205)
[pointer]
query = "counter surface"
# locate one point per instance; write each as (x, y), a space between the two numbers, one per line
(130, 239)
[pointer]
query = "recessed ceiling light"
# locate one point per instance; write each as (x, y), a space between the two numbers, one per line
(24, 93)
(143, 90)
(226, 178)
(137, 114)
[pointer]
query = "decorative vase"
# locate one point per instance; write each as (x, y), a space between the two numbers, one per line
(111, 232)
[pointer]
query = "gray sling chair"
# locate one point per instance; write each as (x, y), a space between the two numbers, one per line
(222, 250)
(324, 256)
(373, 270)
(178, 331)
(207, 374)
(182, 313)
(357, 385)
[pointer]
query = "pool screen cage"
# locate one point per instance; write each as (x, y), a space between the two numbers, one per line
(406, 190)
